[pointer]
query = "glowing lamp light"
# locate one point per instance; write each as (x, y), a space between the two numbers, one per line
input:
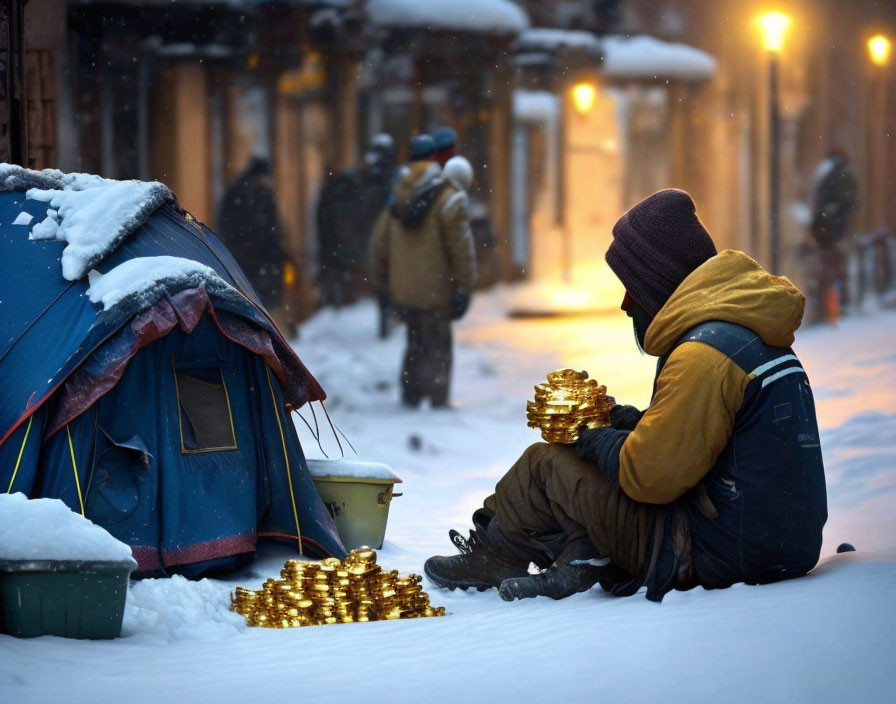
(583, 97)
(879, 50)
(289, 274)
(774, 26)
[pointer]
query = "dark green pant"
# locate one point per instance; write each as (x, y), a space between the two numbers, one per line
(551, 497)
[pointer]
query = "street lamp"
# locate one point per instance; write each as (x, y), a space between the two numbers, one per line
(879, 52)
(774, 27)
(583, 97)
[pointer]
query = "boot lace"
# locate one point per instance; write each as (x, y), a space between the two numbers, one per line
(465, 546)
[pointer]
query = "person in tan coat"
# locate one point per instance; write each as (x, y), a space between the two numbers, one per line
(422, 256)
(720, 480)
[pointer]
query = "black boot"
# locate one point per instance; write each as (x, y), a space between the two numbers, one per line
(576, 570)
(479, 565)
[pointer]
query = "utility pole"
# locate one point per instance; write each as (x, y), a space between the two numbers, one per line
(13, 117)
(774, 180)
(774, 27)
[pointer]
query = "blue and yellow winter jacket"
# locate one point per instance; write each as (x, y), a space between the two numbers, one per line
(732, 420)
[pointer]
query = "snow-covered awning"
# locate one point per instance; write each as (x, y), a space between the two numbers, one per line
(643, 57)
(554, 41)
(535, 105)
(478, 16)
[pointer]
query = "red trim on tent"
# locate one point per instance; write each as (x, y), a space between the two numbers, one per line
(293, 375)
(147, 558)
(209, 550)
(150, 559)
(184, 310)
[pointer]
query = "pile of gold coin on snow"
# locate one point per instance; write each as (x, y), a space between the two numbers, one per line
(333, 591)
(566, 404)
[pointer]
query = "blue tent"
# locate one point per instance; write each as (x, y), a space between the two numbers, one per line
(164, 418)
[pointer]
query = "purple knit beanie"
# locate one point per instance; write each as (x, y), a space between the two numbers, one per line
(656, 245)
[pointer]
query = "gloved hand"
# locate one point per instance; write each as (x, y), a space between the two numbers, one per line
(459, 304)
(624, 417)
(602, 446)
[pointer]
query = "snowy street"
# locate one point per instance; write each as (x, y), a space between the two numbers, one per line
(828, 637)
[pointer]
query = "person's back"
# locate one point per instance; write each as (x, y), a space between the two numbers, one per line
(757, 515)
(422, 258)
(249, 225)
(425, 247)
(341, 237)
(833, 207)
(834, 201)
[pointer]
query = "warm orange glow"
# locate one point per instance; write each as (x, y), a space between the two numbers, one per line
(583, 97)
(774, 26)
(879, 50)
(289, 274)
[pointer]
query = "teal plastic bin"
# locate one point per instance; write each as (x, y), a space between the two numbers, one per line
(71, 599)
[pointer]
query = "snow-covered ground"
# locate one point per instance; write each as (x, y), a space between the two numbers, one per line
(829, 637)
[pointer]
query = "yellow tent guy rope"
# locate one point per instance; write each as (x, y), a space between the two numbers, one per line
(19, 458)
(71, 449)
(292, 496)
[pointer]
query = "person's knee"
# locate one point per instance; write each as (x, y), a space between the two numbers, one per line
(537, 450)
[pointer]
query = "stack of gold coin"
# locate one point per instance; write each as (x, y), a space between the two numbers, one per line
(566, 404)
(333, 591)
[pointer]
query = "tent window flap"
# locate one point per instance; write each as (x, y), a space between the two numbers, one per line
(205, 417)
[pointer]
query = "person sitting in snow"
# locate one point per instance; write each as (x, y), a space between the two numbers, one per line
(720, 480)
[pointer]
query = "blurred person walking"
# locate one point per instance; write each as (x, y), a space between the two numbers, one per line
(378, 173)
(833, 205)
(379, 177)
(349, 203)
(337, 237)
(422, 257)
(249, 225)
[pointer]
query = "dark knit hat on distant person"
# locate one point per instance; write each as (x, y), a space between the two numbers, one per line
(656, 245)
(423, 146)
(445, 138)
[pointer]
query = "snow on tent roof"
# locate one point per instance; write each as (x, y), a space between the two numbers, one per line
(554, 40)
(482, 16)
(92, 214)
(648, 57)
(147, 276)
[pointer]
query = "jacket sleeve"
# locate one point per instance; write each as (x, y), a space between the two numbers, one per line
(690, 421)
(602, 446)
(379, 252)
(458, 239)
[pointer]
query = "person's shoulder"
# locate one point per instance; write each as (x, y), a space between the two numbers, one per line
(453, 200)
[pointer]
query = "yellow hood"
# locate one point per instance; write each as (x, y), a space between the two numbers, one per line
(733, 288)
